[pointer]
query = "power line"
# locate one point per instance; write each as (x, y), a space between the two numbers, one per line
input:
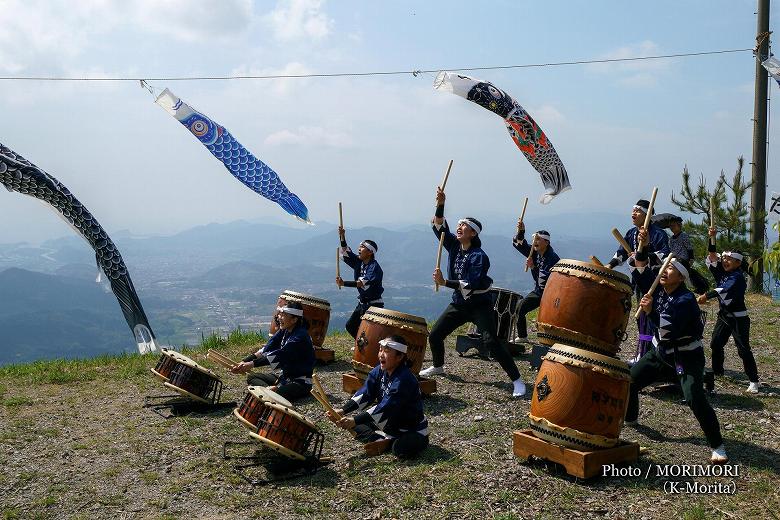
(373, 73)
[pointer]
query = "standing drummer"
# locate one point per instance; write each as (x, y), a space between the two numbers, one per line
(649, 244)
(733, 319)
(540, 258)
(468, 275)
(678, 349)
(289, 353)
(397, 413)
(368, 279)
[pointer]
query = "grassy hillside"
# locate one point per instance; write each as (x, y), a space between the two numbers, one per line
(76, 442)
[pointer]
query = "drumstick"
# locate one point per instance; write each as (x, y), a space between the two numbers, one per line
(438, 256)
(219, 359)
(338, 265)
(650, 211)
(319, 394)
(533, 239)
(621, 240)
(712, 217)
(341, 217)
(446, 176)
(318, 385)
(596, 261)
(525, 205)
(666, 263)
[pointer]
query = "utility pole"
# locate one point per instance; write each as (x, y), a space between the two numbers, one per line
(758, 191)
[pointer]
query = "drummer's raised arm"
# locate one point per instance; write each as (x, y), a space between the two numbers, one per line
(438, 217)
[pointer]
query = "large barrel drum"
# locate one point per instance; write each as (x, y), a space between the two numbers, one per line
(585, 305)
(378, 324)
(579, 398)
(315, 310)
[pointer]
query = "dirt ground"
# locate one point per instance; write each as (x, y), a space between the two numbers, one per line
(76, 442)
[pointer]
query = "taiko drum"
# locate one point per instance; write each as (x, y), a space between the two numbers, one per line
(195, 381)
(284, 430)
(579, 398)
(315, 310)
(169, 359)
(585, 305)
(255, 400)
(378, 324)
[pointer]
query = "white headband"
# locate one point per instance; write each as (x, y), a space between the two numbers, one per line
(387, 342)
(640, 208)
(542, 235)
(470, 224)
(683, 271)
(290, 310)
(732, 254)
(369, 247)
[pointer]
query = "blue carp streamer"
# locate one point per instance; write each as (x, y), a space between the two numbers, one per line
(20, 175)
(251, 171)
(523, 130)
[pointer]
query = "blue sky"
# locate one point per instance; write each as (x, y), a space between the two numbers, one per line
(379, 144)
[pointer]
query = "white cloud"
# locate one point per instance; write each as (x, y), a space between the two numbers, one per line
(547, 114)
(193, 21)
(299, 20)
(639, 73)
(280, 87)
(310, 136)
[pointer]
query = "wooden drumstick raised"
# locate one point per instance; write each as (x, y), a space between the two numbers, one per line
(533, 239)
(712, 217)
(525, 205)
(438, 256)
(338, 264)
(318, 392)
(621, 240)
(219, 359)
(341, 217)
(596, 261)
(649, 213)
(666, 263)
(446, 176)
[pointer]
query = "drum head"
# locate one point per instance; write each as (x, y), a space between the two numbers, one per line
(292, 296)
(268, 396)
(398, 319)
(277, 447)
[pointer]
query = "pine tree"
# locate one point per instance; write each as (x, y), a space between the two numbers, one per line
(732, 216)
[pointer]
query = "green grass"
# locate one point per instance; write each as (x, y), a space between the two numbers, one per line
(19, 400)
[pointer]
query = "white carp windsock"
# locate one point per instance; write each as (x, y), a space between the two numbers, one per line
(251, 171)
(524, 131)
(20, 175)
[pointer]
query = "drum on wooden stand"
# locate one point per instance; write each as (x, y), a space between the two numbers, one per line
(288, 432)
(579, 398)
(585, 305)
(315, 310)
(379, 323)
(194, 381)
(169, 359)
(255, 400)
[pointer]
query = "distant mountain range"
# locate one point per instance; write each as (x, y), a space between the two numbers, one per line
(220, 276)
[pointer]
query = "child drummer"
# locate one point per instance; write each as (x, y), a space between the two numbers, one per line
(368, 279)
(397, 413)
(289, 353)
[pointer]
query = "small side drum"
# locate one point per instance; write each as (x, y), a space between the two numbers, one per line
(315, 310)
(195, 382)
(255, 400)
(376, 325)
(579, 398)
(284, 430)
(169, 359)
(585, 305)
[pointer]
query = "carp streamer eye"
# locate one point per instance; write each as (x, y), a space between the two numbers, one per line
(199, 128)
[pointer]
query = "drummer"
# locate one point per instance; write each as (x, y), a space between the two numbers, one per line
(397, 413)
(289, 353)
(368, 279)
(540, 258)
(678, 350)
(467, 271)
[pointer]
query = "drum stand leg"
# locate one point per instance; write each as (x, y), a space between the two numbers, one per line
(274, 464)
(179, 405)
